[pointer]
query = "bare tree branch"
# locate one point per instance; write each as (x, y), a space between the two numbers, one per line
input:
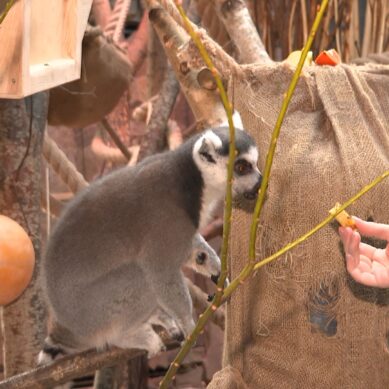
(155, 137)
(186, 62)
(237, 20)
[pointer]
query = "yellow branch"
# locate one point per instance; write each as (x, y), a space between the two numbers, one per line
(238, 280)
(8, 6)
(228, 205)
(277, 129)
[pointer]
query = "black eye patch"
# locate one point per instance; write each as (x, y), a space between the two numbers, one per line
(201, 257)
(242, 167)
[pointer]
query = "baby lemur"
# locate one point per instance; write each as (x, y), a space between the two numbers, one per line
(113, 262)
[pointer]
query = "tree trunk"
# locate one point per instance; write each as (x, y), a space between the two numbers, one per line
(22, 124)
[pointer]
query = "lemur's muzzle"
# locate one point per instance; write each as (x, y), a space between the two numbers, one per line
(252, 195)
(215, 279)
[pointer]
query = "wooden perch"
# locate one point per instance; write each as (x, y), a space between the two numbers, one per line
(68, 368)
(239, 25)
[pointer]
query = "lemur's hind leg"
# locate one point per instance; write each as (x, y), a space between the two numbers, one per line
(173, 296)
(161, 318)
(144, 338)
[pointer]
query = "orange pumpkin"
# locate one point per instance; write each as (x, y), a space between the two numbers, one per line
(17, 259)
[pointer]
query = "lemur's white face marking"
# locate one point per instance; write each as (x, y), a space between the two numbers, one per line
(210, 162)
(205, 262)
(210, 153)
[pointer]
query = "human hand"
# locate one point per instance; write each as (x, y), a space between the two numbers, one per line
(368, 265)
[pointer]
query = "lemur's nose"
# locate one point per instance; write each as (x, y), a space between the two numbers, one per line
(252, 195)
(215, 278)
(258, 184)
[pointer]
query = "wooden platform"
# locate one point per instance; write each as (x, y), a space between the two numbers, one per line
(40, 43)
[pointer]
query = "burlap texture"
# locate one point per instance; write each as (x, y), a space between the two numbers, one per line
(105, 75)
(301, 322)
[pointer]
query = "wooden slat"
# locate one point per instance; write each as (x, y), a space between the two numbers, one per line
(11, 37)
(40, 43)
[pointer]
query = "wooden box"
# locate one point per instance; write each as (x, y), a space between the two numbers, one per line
(40, 45)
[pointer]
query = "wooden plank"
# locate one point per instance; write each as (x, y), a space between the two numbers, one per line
(53, 73)
(41, 42)
(46, 31)
(83, 10)
(11, 38)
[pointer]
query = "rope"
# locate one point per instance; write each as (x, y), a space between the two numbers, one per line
(117, 20)
(62, 165)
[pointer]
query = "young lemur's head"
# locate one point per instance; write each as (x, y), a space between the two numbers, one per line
(210, 153)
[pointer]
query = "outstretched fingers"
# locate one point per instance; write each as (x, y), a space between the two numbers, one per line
(354, 243)
(377, 230)
(345, 234)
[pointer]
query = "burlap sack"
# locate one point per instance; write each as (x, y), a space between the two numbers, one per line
(301, 322)
(105, 75)
(380, 58)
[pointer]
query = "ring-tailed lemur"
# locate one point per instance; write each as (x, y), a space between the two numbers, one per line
(114, 258)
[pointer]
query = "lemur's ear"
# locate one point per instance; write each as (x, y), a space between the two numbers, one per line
(207, 150)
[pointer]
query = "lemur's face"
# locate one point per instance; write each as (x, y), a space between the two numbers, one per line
(205, 262)
(211, 155)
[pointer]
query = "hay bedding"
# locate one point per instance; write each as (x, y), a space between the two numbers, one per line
(301, 322)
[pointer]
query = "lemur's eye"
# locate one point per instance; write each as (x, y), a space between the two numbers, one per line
(242, 167)
(201, 257)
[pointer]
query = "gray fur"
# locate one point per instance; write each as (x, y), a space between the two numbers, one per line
(114, 258)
